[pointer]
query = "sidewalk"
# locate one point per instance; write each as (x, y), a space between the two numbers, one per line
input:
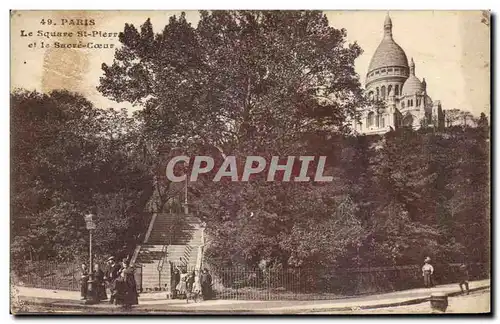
(155, 302)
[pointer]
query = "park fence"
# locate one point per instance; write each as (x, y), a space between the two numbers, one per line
(274, 284)
(55, 275)
(309, 284)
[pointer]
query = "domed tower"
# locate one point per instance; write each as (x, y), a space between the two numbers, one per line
(414, 100)
(392, 80)
(388, 69)
(412, 85)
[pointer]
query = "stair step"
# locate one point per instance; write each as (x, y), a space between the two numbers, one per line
(184, 249)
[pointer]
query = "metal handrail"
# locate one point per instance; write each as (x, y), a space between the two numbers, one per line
(161, 263)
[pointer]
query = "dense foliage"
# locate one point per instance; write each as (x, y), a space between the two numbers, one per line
(394, 200)
(246, 83)
(70, 159)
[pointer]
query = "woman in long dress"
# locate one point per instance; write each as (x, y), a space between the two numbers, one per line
(127, 292)
(182, 285)
(99, 283)
(206, 284)
(196, 291)
(189, 286)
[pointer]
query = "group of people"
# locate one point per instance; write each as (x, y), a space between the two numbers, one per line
(428, 272)
(191, 285)
(118, 277)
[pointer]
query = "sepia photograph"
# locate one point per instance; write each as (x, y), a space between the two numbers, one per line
(250, 162)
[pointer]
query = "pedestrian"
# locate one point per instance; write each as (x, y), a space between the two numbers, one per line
(197, 284)
(182, 286)
(127, 287)
(427, 272)
(112, 276)
(206, 284)
(176, 278)
(84, 279)
(100, 285)
(190, 279)
(464, 278)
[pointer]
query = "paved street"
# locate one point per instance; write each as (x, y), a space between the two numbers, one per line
(476, 302)
(41, 300)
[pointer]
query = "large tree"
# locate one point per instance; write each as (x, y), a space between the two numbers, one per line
(283, 83)
(249, 83)
(265, 76)
(69, 159)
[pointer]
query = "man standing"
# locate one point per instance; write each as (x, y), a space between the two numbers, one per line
(84, 281)
(206, 284)
(464, 278)
(427, 272)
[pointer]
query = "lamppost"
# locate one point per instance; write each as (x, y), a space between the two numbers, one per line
(186, 208)
(92, 297)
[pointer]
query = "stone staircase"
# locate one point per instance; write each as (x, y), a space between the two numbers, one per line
(171, 239)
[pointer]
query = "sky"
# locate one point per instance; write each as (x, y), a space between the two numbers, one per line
(451, 49)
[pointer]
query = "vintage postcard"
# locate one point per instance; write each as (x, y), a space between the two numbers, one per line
(250, 162)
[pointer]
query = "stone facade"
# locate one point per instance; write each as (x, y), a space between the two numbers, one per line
(392, 82)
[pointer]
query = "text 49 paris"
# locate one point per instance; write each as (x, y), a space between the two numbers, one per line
(253, 165)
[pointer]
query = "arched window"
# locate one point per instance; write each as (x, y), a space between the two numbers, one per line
(378, 92)
(389, 90)
(370, 95)
(408, 120)
(396, 90)
(382, 123)
(402, 104)
(383, 91)
(369, 119)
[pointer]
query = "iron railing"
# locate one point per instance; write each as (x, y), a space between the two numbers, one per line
(273, 284)
(57, 276)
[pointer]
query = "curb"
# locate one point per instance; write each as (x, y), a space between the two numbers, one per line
(180, 311)
(354, 308)
(404, 303)
(457, 293)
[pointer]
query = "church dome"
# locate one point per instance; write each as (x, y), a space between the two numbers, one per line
(412, 85)
(388, 53)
